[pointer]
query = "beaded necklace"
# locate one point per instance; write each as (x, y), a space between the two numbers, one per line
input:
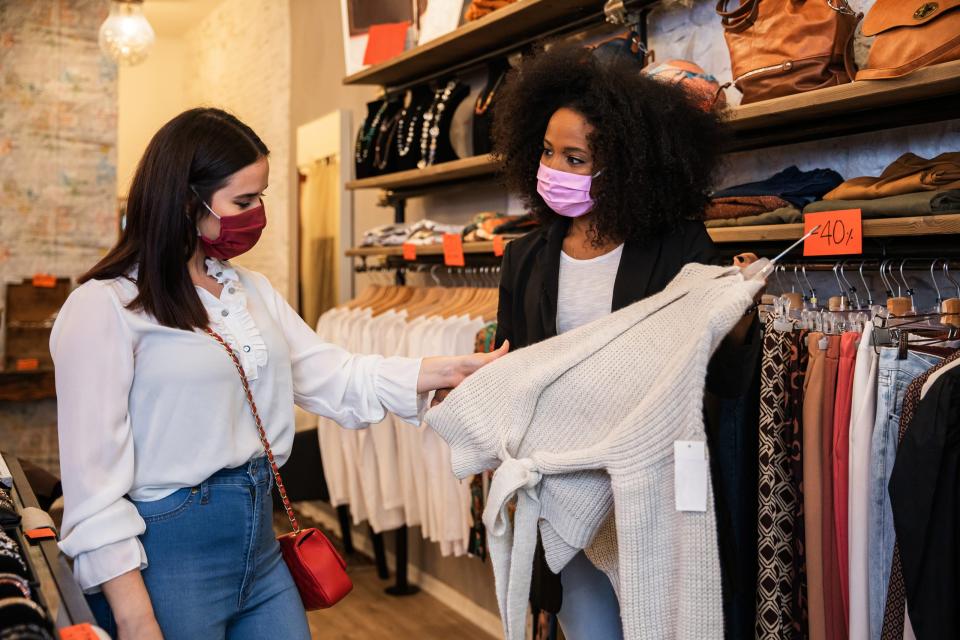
(431, 125)
(364, 138)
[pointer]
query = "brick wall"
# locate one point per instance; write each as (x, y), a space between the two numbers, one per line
(58, 136)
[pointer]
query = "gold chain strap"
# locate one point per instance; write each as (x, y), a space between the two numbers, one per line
(263, 434)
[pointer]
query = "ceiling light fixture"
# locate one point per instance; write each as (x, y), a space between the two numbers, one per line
(125, 35)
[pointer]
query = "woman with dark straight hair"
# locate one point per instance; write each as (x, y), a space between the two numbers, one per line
(167, 490)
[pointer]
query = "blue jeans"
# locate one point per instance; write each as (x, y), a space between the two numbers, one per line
(215, 570)
(590, 609)
(893, 378)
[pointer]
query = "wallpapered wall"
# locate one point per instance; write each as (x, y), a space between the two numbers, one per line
(238, 59)
(58, 136)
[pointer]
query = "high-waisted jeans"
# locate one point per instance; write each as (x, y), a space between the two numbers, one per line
(215, 570)
(893, 378)
(590, 609)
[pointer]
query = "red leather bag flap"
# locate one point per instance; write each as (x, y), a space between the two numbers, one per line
(890, 14)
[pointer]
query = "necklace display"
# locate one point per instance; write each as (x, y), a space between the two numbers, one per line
(406, 132)
(365, 138)
(431, 124)
(483, 102)
(389, 132)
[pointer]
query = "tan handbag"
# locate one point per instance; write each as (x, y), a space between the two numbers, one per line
(781, 47)
(910, 34)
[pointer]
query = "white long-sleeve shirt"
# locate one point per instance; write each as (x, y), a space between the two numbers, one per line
(144, 409)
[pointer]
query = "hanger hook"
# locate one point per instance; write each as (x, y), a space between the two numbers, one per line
(883, 276)
(933, 279)
(813, 292)
(796, 276)
(776, 274)
(433, 274)
(946, 272)
(836, 275)
(903, 276)
(866, 289)
(850, 286)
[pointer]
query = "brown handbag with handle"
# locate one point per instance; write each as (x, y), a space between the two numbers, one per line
(910, 34)
(781, 47)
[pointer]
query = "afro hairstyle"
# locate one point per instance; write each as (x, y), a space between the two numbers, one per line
(658, 151)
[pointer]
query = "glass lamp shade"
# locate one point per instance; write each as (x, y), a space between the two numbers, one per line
(125, 35)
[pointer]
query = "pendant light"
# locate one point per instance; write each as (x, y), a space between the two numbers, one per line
(125, 35)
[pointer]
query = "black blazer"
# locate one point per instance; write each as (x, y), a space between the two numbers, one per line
(530, 276)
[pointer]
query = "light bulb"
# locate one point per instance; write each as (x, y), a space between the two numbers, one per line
(125, 35)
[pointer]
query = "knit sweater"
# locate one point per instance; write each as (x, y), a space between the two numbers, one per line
(586, 421)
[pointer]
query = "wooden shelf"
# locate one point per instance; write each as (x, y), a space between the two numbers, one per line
(24, 386)
(464, 168)
(503, 27)
(927, 95)
(428, 250)
(944, 224)
(881, 227)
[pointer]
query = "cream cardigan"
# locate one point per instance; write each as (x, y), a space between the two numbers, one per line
(585, 422)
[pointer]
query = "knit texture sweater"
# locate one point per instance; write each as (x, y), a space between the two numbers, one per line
(581, 426)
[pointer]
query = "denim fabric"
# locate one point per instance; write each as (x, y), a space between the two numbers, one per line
(893, 378)
(590, 609)
(215, 569)
(797, 187)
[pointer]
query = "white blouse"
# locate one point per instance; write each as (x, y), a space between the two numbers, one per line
(145, 410)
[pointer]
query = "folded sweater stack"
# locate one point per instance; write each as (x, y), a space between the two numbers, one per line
(584, 423)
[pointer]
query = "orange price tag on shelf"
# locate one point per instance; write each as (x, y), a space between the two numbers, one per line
(79, 632)
(840, 233)
(453, 250)
(45, 533)
(409, 251)
(44, 281)
(27, 364)
(498, 246)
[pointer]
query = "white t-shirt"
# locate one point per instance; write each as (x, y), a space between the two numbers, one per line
(586, 289)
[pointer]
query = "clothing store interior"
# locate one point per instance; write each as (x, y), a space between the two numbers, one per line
(520, 319)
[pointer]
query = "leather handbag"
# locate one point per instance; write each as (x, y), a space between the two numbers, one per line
(910, 34)
(782, 47)
(317, 569)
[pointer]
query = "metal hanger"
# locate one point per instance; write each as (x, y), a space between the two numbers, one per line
(866, 288)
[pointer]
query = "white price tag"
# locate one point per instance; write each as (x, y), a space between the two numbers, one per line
(690, 475)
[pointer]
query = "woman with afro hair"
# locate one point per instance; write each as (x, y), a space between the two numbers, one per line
(617, 167)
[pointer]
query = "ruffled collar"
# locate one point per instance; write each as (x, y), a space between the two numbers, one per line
(230, 317)
(222, 272)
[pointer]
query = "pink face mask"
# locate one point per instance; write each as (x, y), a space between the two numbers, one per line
(568, 194)
(238, 233)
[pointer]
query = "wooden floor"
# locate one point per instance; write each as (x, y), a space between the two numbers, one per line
(369, 614)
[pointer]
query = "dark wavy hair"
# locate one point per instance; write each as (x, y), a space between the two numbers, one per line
(658, 151)
(192, 155)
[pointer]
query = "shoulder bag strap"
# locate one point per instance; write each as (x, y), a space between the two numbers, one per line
(263, 434)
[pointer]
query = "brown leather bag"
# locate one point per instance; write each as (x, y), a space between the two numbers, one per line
(910, 34)
(781, 47)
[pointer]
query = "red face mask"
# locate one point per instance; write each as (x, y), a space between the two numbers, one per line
(238, 233)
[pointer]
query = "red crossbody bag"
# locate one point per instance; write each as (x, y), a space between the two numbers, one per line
(317, 569)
